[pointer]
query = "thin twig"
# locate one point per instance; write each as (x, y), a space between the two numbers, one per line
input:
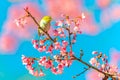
(90, 66)
(81, 73)
(68, 29)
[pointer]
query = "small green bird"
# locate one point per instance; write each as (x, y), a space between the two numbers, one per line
(44, 24)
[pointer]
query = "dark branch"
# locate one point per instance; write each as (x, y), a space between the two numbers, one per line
(29, 14)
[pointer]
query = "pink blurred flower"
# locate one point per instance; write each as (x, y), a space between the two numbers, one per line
(115, 56)
(8, 43)
(93, 75)
(70, 7)
(115, 13)
(103, 3)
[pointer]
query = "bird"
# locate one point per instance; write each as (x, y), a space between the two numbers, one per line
(44, 24)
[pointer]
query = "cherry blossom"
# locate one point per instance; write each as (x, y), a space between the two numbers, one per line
(41, 73)
(64, 43)
(20, 22)
(94, 52)
(93, 61)
(59, 23)
(57, 45)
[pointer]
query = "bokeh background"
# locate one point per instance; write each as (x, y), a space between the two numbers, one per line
(100, 32)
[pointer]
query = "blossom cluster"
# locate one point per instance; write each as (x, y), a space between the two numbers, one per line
(47, 63)
(28, 62)
(61, 54)
(100, 61)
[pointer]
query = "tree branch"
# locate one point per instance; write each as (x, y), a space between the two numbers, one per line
(68, 29)
(29, 14)
(90, 66)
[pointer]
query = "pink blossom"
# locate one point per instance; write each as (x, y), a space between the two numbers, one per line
(42, 42)
(63, 49)
(113, 69)
(60, 30)
(48, 64)
(103, 3)
(27, 61)
(60, 67)
(62, 34)
(70, 7)
(59, 23)
(59, 71)
(76, 28)
(71, 53)
(83, 16)
(34, 41)
(36, 73)
(55, 32)
(42, 48)
(68, 22)
(42, 61)
(101, 75)
(93, 61)
(8, 43)
(41, 73)
(31, 71)
(103, 66)
(54, 70)
(57, 45)
(94, 52)
(64, 43)
(50, 49)
(20, 22)
(66, 62)
(29, 67)
(35, 46)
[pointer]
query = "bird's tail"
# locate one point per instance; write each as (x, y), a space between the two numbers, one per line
(40, 33)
